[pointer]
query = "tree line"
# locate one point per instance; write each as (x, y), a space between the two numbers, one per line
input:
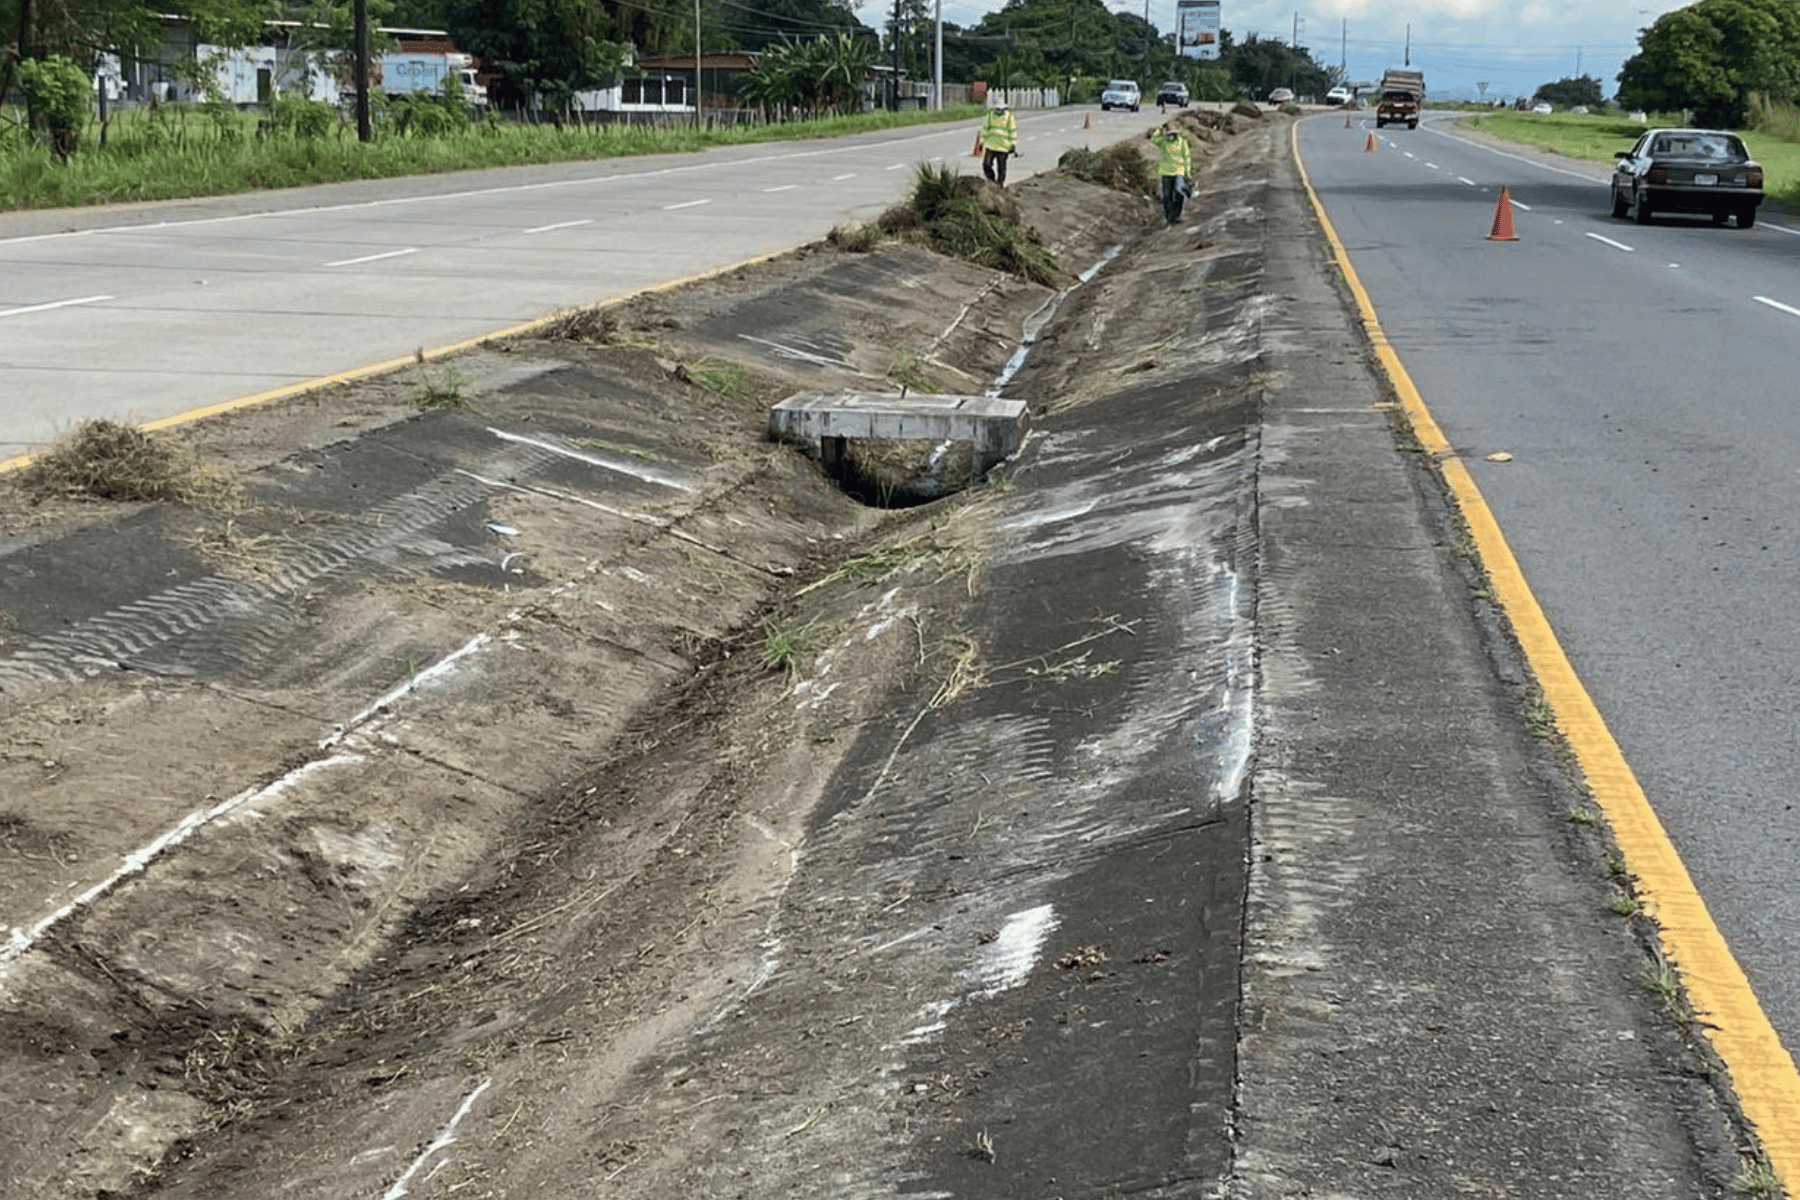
(814, 54)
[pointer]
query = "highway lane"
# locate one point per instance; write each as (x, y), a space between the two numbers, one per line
(1642, 378)
(145, 312)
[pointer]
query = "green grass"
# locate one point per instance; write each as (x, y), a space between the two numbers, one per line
(184, 150)
(1597, 136)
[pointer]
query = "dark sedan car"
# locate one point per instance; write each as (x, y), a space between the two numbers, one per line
(1172, 93)
(1689, 171)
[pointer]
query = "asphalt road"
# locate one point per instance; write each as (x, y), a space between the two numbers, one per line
(1641, 379)
(144, 312)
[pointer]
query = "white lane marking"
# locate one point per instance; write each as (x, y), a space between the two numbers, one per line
(1610, 242)
(31, 308)
(1451, 133)
(1516, 204)
(1789, 309)
(896, 167)
(1409, 154)
(1470, 182)
(1781, 229)
(779, 156)
(841, 178)
(351, 262)
(786, 187)
(685, 204)
(560, 225)
(1432, 165)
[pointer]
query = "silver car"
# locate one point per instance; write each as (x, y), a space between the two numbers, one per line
(1121, 93)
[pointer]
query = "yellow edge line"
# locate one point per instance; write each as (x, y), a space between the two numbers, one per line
(394, 364)
(1726, 1008)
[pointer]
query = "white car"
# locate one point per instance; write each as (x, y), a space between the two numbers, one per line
(1339, 95)
(1121, 93)
(1542, 108)
(1281, 96)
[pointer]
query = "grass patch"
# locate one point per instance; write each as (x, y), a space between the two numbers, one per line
(724, 379)
(1663, 979)
(1756, 1178)
(966, 217)
(1597, 136)
(854, 239)
(908, 370)
(442, 389)
(1581, 814)
(785, 646)
(181, 150)
(104, 460)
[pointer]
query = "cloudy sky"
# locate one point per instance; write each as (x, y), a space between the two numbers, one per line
(1511, 45)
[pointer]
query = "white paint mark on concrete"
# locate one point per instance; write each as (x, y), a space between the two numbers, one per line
(445, 1139)
(19, 941)
(368, 258)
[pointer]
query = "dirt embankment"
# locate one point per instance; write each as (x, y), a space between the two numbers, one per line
(478, 734)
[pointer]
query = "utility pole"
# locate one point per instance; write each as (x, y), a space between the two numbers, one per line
(896, 92)
(1344, 49)
(1407, 60)
(697, 91)
(937, 59)
(360, 17)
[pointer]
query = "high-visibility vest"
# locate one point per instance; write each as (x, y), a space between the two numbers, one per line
(1000, 131)
(1177, 156)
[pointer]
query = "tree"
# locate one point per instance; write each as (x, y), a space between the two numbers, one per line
(1258, 65)
(823, 75)
(544, 49)
(1568, 93)
(1712, 56)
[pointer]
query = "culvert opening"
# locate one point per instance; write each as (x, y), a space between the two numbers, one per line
(899, 472)
(893, 451)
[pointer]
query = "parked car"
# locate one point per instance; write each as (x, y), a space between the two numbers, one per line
(1687, 170)
(1121, 93)
(1339, 95)
(1172, 93)
(1540, 108)
(1281, 96)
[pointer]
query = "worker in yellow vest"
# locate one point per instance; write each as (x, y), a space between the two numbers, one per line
(1175, 164)
(999, 142)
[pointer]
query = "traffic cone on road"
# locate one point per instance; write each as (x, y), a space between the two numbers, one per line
(1370, 148)
(1503, 225)
(976, 152)
(1087, 120)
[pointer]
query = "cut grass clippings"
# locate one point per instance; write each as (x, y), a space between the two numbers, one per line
(104, 460)
(968, 218)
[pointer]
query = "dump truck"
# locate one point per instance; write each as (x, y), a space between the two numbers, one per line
(1401, 93)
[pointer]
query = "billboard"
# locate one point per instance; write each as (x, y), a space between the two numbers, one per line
(1197, 28)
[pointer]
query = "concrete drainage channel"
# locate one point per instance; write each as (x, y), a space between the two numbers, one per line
(605, 536)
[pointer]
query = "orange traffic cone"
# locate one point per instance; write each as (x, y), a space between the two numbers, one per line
(1346, 118)
(1087, 120)
(1370, 148)
(976, 152)
(1503, 226)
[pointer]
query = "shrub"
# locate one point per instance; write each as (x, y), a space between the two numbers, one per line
(56, 100)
